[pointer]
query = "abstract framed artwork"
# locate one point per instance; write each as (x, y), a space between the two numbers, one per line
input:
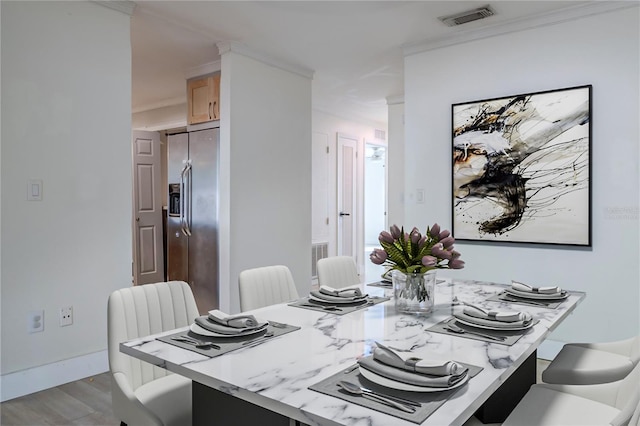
(522, 168)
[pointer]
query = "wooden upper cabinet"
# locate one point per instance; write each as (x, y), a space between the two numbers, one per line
(203, 99)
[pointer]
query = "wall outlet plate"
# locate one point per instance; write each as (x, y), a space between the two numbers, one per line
(66, 316)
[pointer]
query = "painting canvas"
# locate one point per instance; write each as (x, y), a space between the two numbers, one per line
(522, 168)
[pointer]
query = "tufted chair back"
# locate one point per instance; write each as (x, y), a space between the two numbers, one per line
(338, 271)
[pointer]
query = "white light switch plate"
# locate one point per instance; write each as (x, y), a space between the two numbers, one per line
(34, 190)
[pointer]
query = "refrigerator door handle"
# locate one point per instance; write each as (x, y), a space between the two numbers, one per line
(187, 215)
(183, 197)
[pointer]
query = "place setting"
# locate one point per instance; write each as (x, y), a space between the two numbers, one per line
(524, 294)
(337, 301)
(217, 333)
(487, 325)
(398, 383)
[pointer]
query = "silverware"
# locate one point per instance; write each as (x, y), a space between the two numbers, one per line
(277, 324)
(354, 389)
(326, 308)
(455, 329)
(258, 339)
(195, 342)
(526, 302)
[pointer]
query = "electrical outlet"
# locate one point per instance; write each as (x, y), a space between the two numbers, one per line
(35, 321)
(66, 316)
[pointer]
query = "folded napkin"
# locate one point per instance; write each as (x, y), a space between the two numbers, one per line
(477, 312)
(343, 292)
(410, 377)
(405, 361)
(214, 323)
(235, 321)
(530, 289)
(517, 325)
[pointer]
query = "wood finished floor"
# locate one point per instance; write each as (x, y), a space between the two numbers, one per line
(86, 402)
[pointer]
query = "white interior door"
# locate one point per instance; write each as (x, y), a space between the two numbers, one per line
(347, 193)
(148, 259)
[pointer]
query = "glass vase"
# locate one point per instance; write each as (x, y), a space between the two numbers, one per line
(414, 293)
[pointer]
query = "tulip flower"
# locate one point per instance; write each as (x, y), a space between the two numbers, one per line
(447, 242)
(395, 231)
(443, 234)
(415, 236)
(435, 230)
(456, 264)
(386, 237)
(439, 252)
(378, 256)
(429, 261)
(454, 254)
(422, 241)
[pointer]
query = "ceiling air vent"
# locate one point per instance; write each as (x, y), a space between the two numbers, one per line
(468, 16)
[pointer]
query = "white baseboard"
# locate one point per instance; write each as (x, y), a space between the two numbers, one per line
(549, 349)
(25, 382)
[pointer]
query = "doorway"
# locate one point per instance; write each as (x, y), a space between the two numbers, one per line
(375, 203)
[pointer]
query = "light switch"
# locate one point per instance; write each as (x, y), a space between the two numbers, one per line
(34, 190)
(420, 196)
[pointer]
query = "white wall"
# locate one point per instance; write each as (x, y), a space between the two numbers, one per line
(602, 50)
(265, 172)
(395, 162)
(66, 110)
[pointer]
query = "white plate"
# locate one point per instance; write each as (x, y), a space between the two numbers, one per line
(204, 332)
(539, 296)
(356, 302)
(388, 383)
(470, 323)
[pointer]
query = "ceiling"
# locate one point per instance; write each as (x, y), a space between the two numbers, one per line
(354, 48)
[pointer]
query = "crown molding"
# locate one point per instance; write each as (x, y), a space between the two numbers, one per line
(161, 104)
(124, 6)
(241, 49)
(567, 14)
(204, 69)
(395, 99)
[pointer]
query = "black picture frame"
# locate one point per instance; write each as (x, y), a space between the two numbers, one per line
(521, 168)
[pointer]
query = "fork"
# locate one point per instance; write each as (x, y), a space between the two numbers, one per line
(195, 342)
(455, 329)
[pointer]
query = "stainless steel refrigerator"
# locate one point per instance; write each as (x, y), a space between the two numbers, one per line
(192, 219)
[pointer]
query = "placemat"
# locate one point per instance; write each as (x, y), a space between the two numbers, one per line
(511, 336)
(382, 284)
(228, 344)
(429, 401)
(506, 297)
(337, 309)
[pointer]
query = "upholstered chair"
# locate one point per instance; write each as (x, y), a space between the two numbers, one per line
(143, 394)
(611, 403)
(592, 363)
(266, 286)
(337, 271)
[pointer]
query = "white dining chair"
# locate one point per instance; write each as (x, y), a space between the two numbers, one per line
(592, 363)
(266, 286)
(143, 394)
(337, 271)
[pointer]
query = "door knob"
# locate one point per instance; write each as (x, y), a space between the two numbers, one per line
(137, 219)
(345, 214)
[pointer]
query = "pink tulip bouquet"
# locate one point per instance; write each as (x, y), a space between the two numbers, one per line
(413, 252)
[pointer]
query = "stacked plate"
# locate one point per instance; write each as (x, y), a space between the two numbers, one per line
(526, 291)
(329, 295)
(220, 324)
(402, 371)
(494, 320)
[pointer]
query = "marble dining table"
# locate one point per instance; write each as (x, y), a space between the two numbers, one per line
(271, 381)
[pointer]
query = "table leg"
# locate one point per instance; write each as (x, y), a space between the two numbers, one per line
(499, 405)
(210, 406)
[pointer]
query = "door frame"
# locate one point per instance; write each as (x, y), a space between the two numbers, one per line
(358, 229)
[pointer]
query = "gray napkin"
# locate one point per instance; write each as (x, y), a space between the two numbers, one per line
(503, 316)
(407, 374)
(213, 326)
(491, 323)
(531, 289)
(235, 321)
(347, 292)
(331, 298)
(417, 365)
